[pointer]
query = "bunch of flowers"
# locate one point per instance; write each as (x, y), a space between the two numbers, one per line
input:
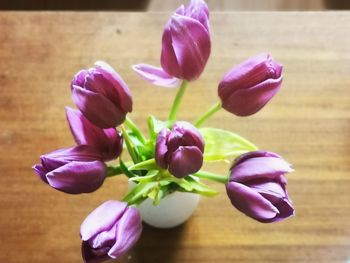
(170, 157)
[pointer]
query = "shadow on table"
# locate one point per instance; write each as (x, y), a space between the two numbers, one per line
(156, 245)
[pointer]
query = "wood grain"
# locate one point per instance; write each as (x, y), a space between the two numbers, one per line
(308, 123)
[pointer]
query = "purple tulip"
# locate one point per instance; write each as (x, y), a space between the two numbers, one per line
(257, 186)
(246, 88)
(101, 95)
(185, 47)
(73, 170)
(109, 231)
(180, 150)
(108, 141)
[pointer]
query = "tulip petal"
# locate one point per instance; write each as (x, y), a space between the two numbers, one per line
(119, 84)
(185, 134)
(108, 141)
(97, 108)
(83, 153)
(191, 43)
(262, 167)
(245, 102)
(40, 171)
(198, 10)
(168, 58)
(78, 177)
(250, 202)
(89, 254)
(79, 78)
(156, 76)
(162, 148)
(107, 214)
(185, 160)
(128, 231)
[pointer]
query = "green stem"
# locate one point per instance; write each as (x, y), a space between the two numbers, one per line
(212, 110)
(116, 170)
(129, 145)
(212, 176)
(133, 127)
(177, 100)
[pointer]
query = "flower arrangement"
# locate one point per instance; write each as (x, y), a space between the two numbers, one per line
(169, 159)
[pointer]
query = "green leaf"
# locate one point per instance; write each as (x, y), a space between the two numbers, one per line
(222, 145)
(125, 169)
(155, 126)
(150, 176)
(139, 193)
(145, 165)
(199, 187)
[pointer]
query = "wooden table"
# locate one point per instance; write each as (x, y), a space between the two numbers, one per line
(308, 123)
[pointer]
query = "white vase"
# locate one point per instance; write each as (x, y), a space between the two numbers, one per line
(173, 210)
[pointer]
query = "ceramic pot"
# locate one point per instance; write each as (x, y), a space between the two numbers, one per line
(173, 210)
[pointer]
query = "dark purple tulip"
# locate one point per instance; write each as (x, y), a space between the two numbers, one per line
(257, 186)
(186, 41)
(108, 141)
(109, 231)
(73, 170)
(246, 88)
(102, 95)
(180, 150)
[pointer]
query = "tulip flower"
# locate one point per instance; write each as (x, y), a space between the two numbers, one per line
(185, 47)
(257, 186)
(109, 231)
(101, 95)
(108, 141)
(73, 170)
(180, 150)
(246, 88)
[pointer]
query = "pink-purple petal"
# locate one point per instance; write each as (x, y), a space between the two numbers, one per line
(250, 202)
(263, 167)
(128, 231)
(97, 108)
(156, 76)
(185, 160)
(102, 219)
(78, 177)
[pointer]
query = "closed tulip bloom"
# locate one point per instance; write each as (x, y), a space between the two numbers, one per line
(73, 170)
(246, 88)
(186, 41)
(108, 141)
(109, 231)
(257, 186)
(180, 150)
(101, 95)
(185, 47)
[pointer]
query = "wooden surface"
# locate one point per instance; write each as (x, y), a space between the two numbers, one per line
(308, 123)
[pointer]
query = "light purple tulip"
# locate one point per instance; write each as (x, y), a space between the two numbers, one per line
(257, 186)
(73, 170)
(108, 141)
(109, 231)
(185, 47)
(246, 88)
(180, 150)
(102, 95)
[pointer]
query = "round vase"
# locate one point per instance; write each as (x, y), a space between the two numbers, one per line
(173, 210)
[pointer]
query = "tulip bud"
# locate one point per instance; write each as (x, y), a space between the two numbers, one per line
(246, 88)
(109, 231)
(102, 95)
(74, 170)
(180, 150)
(186, 41)
(257, 186)
(108, 141)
